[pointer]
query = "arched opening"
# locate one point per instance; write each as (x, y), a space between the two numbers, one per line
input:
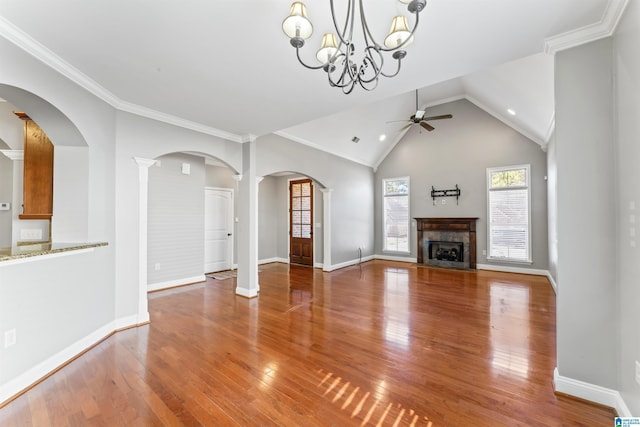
(191, 227)
(70, 175)
(280, 220)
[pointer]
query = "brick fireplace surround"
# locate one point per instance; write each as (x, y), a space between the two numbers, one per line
(448, 224)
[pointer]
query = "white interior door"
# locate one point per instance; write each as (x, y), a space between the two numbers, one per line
(218, 229)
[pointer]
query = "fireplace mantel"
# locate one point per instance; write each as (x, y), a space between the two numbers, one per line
(448, 224)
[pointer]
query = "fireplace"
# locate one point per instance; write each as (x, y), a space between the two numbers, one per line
(446, 251)
(447, 242)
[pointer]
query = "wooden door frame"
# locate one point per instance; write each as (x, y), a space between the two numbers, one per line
(313, 217)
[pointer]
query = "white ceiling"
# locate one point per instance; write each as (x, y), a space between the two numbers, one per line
(225, 67)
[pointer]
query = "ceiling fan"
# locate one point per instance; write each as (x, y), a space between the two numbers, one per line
(419, 118)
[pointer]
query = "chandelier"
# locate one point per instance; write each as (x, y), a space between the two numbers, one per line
(336, 53)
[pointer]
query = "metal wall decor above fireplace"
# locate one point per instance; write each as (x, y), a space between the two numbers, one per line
(447, 242)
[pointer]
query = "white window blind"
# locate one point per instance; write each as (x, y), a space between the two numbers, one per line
(509, 213)
(396, 214)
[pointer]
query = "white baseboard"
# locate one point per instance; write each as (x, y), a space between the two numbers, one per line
(554, 285)
(274, 259)
(594, 393)
(129, 321)
(347, 263)
(396, 258)
(173, 283)
(247, 293)
(46, 367)
(510, 269)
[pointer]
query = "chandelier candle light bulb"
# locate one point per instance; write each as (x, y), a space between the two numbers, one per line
(297, 26)
(399, 34)
(336, 51)
(328, 48)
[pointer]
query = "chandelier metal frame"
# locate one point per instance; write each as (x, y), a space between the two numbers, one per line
(341, 68)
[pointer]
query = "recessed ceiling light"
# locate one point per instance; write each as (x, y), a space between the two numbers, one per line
(511, 111)
(382, 137)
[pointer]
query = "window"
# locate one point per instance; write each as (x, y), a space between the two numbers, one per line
(396, 214)
(509, 213)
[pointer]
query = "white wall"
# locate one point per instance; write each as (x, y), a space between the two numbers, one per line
(459, 151)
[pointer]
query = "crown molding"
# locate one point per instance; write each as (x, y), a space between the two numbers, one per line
(176, 121)
(604, 28)
(47, 57)
(247, 137)
(13, 154)
(31, 46)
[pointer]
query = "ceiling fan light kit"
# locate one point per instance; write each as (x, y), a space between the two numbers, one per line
(336, 52)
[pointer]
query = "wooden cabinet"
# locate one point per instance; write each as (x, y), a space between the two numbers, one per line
(38, 172)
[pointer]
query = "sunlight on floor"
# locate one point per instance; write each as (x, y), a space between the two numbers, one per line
(368, 407)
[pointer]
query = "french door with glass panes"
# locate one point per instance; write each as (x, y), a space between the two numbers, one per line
(301, 222)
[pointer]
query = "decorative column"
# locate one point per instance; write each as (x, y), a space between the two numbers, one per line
(247, 283)
(143, 207)
(17, 156)
(326, 236)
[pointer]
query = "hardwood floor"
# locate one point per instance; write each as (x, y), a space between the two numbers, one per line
(381, 344)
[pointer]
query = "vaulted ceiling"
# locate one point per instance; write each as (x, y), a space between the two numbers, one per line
(226, 68)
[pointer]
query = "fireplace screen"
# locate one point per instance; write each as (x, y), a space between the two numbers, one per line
(446, 251)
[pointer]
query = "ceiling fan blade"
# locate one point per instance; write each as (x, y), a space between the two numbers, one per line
(444, 116)
(396, 121)
(405, 127)
(427, 126)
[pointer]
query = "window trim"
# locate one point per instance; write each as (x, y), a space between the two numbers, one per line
(384, 215)
(527, 168)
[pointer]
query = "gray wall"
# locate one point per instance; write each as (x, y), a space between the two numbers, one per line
(176, 219)
(552, 207)
(627, 172)
(11, 138)
(44, 298)
(268, 218)
(459, 151)
(351, 196)
(220, 177)
(279, 222)
(6, 195)
(586, 305)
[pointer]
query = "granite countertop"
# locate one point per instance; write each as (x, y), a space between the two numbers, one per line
(27, 250)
